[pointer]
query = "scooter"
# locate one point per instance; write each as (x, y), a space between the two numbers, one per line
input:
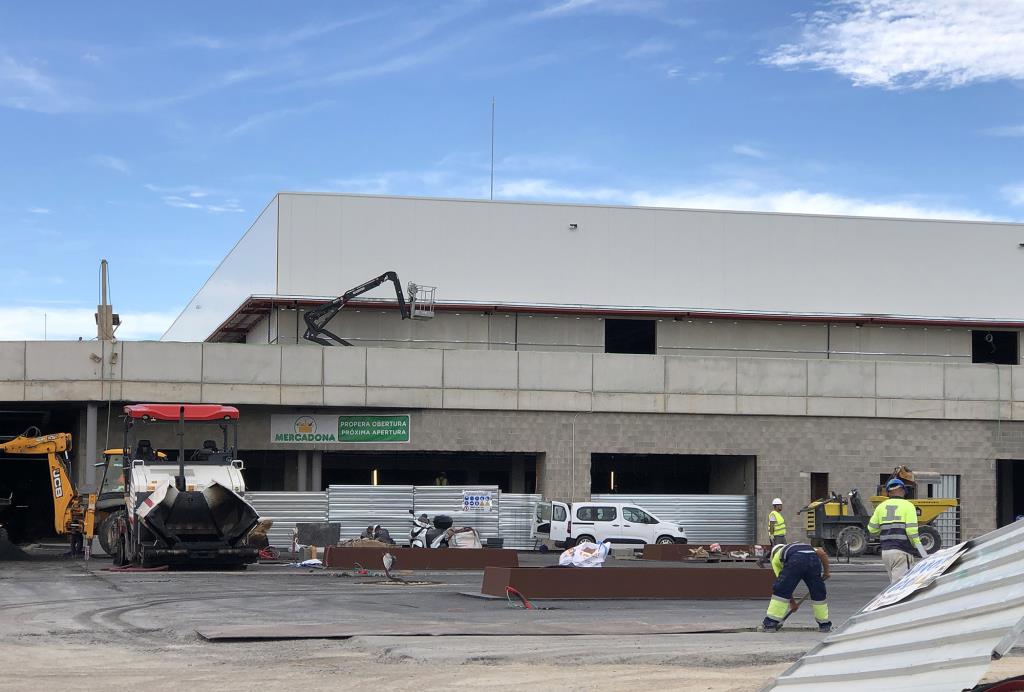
(429, 534)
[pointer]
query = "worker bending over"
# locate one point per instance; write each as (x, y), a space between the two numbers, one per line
(896, 520)
(776, 524)
(794, 563)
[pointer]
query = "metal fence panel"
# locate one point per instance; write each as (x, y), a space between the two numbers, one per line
(447, 499)
(948, 523)
(516, 519)
(357, 506)
(706, 518)
(286, 509)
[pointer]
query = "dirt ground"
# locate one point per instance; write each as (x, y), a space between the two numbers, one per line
(66, 624)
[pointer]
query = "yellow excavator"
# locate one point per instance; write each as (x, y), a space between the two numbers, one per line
(73, 513)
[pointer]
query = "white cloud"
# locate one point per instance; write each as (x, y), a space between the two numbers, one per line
(912, 44)
(113, 163)
(26, 323)
(1014, 194)
(648, 48)
(254, 122)
(91, 57)
(563, 8)
(747, 150)
(188, 196)
(736, 196)
(26, 87)
(39, 210)
(1005, 131)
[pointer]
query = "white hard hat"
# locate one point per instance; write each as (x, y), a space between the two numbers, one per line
(777, 501)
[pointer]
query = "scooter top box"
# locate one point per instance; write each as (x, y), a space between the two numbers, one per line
(420, 558)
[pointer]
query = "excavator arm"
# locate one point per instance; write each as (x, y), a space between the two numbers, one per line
(317, 319)
(71, 512)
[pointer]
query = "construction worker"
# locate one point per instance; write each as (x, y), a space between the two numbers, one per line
(896, 520)
(441, 479)
(793, 563)
(776, 524)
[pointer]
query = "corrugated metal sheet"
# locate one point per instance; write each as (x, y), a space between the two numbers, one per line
(448, 500)
(357, 506)
(940, 638)
(286, 509)
(706, 518)
(516, 519)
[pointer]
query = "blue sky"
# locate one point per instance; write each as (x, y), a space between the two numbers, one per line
(153, 134)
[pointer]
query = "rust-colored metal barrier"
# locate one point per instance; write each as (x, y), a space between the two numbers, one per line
(420, 558)
(709, 582)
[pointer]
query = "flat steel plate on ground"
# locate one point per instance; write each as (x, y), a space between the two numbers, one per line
(733, 582)
(289, 630)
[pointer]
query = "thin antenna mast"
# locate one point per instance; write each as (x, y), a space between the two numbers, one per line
(492, 148)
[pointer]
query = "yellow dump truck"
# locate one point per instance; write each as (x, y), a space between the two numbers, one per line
(839, 523)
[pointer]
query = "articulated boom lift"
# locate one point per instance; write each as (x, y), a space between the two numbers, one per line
(418, 305)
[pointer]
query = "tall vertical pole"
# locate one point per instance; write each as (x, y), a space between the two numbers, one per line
(492, 148)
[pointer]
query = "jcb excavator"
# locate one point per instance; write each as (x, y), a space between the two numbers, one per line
(839, 524)
(73, 513)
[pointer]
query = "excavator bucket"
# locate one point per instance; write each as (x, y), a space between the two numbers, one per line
(208, 525)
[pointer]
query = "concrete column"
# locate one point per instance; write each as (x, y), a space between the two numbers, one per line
(517, 476)
(318, 463)
(303, 476)
(91, 453)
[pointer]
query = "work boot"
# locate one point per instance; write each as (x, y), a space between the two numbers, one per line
(824, 626)
(769, 625)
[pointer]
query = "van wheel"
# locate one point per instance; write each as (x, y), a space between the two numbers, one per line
(585, 539)
(665, 540)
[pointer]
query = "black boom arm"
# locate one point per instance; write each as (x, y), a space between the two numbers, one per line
(318, 318)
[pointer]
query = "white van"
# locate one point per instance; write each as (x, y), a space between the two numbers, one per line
(562, 524)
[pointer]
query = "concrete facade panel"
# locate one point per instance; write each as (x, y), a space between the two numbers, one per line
(241, 394)
(302, 395)
(640, 403)
(554, 401)
(771, 405)
(64, 390)
(617, 372)
(64, 360)
(12, 361)
(344, 396)
(481, 369)
(572, 372)
(401, 396)
(771, 377)
(345, 366)
(12, 391)
(700, 375)
(159, 361)
(977, 410)
(909, 380)
(549, 330)
(840, 379)
(481, 399)
(301, 365)
(700, 403)
(403, 368)
(820, 406)
(976, 382)
(166, 392)
(242, 364)
(909, 408)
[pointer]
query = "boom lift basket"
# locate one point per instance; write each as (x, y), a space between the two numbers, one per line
(421, 301)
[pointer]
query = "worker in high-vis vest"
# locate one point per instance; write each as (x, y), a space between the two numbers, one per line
(793, 563)
(776, 524)
(895, 520)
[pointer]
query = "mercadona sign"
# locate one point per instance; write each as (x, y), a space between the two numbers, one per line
(325, 429)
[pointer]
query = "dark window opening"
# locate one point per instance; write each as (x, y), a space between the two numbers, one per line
(630, 336)
(819, 486)
(1009, 491)
(673, 474)
(513, 473)
(994, 347)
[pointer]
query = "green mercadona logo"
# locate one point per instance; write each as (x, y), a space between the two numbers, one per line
(305, 431)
